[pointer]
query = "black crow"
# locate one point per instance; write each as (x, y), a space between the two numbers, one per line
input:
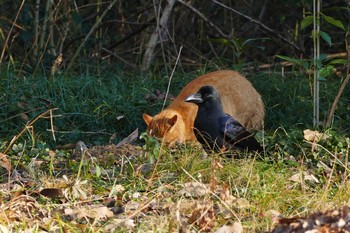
(215, 129)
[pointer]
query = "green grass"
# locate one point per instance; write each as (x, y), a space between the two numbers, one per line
(247, 189)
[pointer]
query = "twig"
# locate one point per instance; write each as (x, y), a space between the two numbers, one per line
(287, 63)
(9, 34)
(119, 57)
(280, 36)
(336, 100)
(88, 35)
(86, 132)
(52, 126)
(29, 124)
(36, 27)
(316, 57)
(341, 89)
(203, 17)
(133, 33)
(171, 76)
(46, 21)
(336, 159)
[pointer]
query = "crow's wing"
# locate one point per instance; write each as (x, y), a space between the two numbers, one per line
(230, 127)
(236, 135)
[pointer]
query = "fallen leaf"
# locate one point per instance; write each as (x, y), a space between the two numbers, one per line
(4, 162)
(76, 190)
(136, 195)
(274, 215)
(131, 206)
(242, 203)
(101, 213)
(56, 64)
(52, 153)
(109, 202)
(4, 229)
(112, 138)
(129, 223)
(194, 189)
(314, 136)
(117, 223)
(69, 211)
(120, 117)
(203, 215)
(236, 227)
(302, 176)
(51, 192)
(97, 213)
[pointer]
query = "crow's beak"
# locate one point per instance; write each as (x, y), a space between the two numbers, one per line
(194, 98)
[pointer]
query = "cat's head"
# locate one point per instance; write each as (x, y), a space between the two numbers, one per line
(167, 127)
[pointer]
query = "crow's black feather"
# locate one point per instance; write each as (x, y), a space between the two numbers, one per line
(215, 129)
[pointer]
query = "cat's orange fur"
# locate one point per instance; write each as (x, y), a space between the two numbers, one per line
(239, 99)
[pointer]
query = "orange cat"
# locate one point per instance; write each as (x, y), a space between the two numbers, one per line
(239, 99)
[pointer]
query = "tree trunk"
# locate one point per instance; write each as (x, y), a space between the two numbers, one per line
(161, 26)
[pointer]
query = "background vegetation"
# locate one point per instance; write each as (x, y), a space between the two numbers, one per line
(117, 33)
(86, 71)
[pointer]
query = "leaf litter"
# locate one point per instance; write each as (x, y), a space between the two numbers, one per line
(51, 202)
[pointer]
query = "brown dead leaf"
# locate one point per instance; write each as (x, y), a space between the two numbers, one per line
(109, 201)
(314, 136)
(194, 189)
(224, 192)
(242, 203)
(52, 153)
(117, 223)
(4, 162)
(112, 138)
(97, 213)
(131, 206)
(56, 64)
(77, 190)
(101, 213)
(203, 216)
(236, 227)
(51, 192)
(274, 215)
(302, 176)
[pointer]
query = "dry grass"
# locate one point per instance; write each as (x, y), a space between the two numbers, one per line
(118, 189)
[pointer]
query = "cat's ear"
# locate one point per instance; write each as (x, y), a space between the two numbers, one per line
(172, 120)
(147, 118)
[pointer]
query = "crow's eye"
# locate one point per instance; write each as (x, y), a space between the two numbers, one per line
(207, 96)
